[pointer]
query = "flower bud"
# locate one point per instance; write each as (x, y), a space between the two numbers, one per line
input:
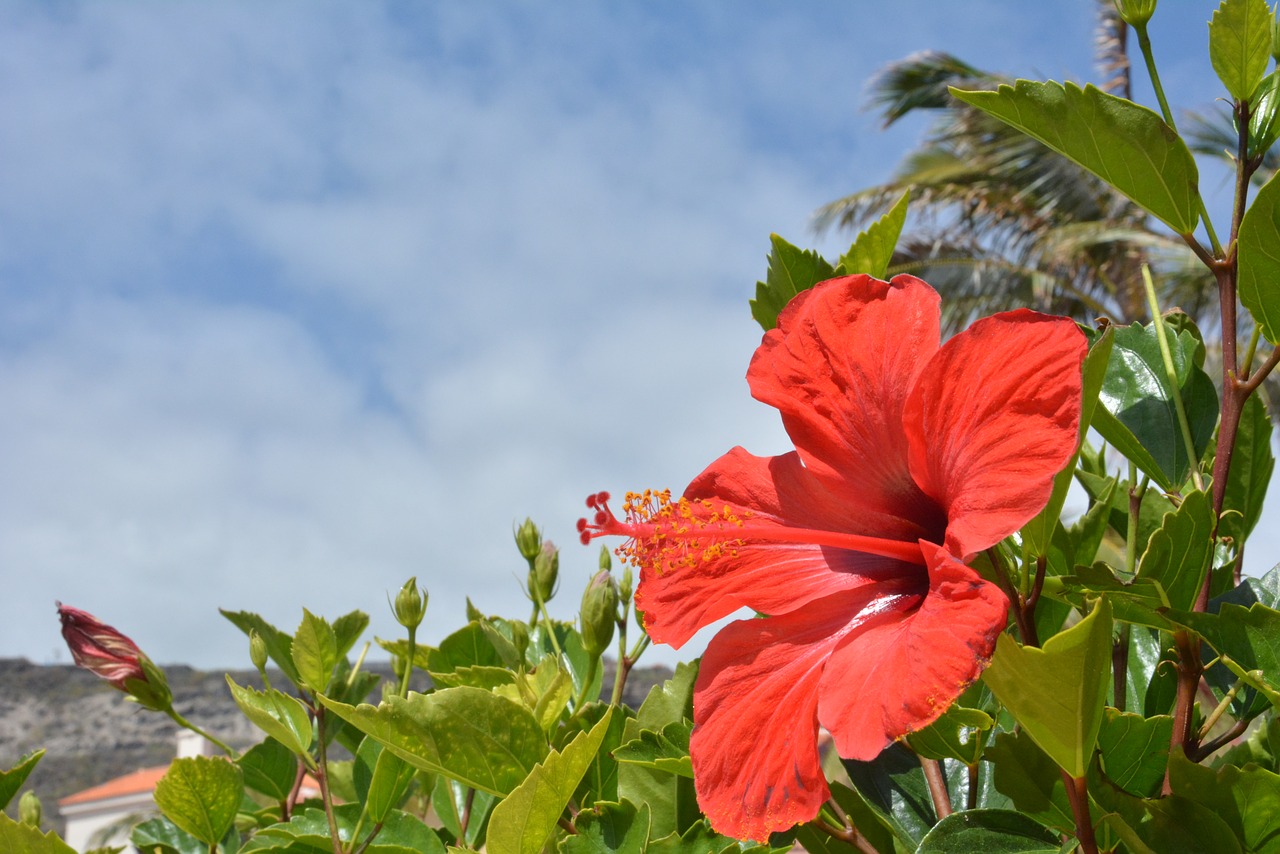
(529, 540)
(599, 613)
(627, 586)
(257, 650)
(1136, 13)
(520, 638)
(410, 605)
(544, 573)
(606, 559)
(105, 652)
(30, 811)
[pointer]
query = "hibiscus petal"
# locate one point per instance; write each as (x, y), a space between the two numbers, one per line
(892, 678)
(771, 578)
(839, 367)
(992, 419)
(756, 765)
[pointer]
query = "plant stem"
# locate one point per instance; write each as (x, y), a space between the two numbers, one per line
(845, 834)
(408, 663)
(1078, 795)
(217, 742)
(937, 787)
(322, 778)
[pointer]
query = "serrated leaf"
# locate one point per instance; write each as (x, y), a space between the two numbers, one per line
(526, 818)
(666, 751)
(347, 630)
(1240, 45)
(472, 736)
(11, 780)
(1128, 146)
(315, 651)
(1179, 555)
(1057, 693)
(1135, 750)
(1138, 415)
(1247, 799)
(19, 838)
(609, 828)
(959, 734)
(1258, 257)
(1248, 639)
(161, 836)
(469, 646)
(872, 250)
(269, 768)
(279, 715)
(279, 644)
(308, 831)
(791, 270)
(991, 832)
(201, 795)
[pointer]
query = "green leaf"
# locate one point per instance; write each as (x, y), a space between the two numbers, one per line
(670, 702)
(663, 751)
(1171, 824)
(1116, 493)
(872, 250)
(959, 734)
(472, 736)
(1252, 464)
(315, 651)
(893, 785)
(791, 271)
(469, 646)
(19, 838)
(381, 778)
(201, 795)
(527, 817)
(1180, 553)
(1240, 45)
(1056, 693)
(1247, 799)
(269, 768)
(1128, 146)
(1138, 415)
(699, 838)
(991, 832)
(280, 716)
(1258, 257)
(1249, 641)
(1135, 751)
(673, 805)
(1030, 779)
(347, 630)
(279, 644)
(161, 836)
(453, 802)
(11, 780)
(609, 828)
(308, 831)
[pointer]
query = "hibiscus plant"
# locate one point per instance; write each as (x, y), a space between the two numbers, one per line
(995, 599)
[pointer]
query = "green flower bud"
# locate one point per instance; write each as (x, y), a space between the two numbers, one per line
(410, 605)
(520, 638)
(529, 540)
(1136, 13)
(257, 650)
(627, 586)
(544, 573)
(599, 614)
(29, 809)
(606, 559)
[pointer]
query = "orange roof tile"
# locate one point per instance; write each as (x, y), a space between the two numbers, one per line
(142, 780)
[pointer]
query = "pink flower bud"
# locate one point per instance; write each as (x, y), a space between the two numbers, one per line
(105, 652)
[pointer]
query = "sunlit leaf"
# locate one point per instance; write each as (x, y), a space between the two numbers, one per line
(1258, 259)
(279, 715)
(1179, 555)
(201, 795)
(791, 270)
(19, 838)
(1247, 799)
(315, 651)
(991, 832)
(1135, 750)
(873, 249)
(1240, 45)
(609, 828)
(12, 779)
(279, 644)
(269, 768)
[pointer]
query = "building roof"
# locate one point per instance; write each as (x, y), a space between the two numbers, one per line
(142, 781)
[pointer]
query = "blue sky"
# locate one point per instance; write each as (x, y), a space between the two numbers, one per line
(300, 299)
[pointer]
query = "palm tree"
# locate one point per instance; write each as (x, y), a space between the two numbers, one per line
(998, 220)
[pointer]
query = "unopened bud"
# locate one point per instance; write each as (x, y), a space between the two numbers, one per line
(544, 573)
(606, 560)
(30, 812)
(599, 614)
(1136, 13)
(626, 586)
(520, 638)
(257, 650)
(106, 652)
(528, 540)
(410, 605)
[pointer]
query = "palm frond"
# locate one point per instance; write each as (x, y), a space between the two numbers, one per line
(1110, 50)
(920, 82)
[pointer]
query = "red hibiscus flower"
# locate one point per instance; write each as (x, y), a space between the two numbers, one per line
(106, 652)
(911, 458)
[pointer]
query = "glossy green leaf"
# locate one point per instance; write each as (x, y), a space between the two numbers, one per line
(347, 630)
(1134, 751)
(454, 802)
(872, 250)
(1179, 555)
(1252, 464)
(1030, 779)
(201, 795)
(991, 832)
(893, 785)
(308, 831)
(12, 779)
(959, 734)
(1172, 824)
(1141, 601)
(1248, 639)
(697, 839)
(672, 802)
(269, 768)
(469, 646)
(315, 651)
(1247, 799)
(19, 838)
(1116, 493)
(161, 836)
(469, 735)
(1138, 415)
(1057, 693)
(663, 751)
(577, 659)
(1264, 117)
(279, 644)
(609, 828)
(524, 821)
(600, 783)
(1258, 257)
(670, 702)
(279, 715)
(791, 270)
(381, 778)
(1240, 45)
(1128, 146)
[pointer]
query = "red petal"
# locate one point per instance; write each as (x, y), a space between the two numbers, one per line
(754, 746)
(772, 578)
(991, 421)
(839, 367)
(893, 678)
